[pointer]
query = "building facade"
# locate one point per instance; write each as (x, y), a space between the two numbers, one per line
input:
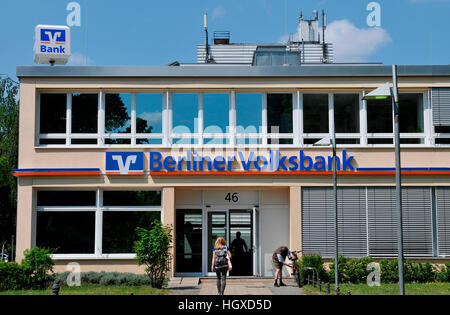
(214, 150)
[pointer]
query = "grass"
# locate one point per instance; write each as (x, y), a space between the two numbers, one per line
(387, 289)
(93, 290)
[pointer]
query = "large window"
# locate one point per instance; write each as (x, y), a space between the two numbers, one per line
(75, 222)
(367, 221)
(225, 118)
(66, 221)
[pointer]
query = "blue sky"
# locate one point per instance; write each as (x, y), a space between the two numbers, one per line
(147, 32)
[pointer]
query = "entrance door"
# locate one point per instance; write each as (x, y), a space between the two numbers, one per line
(239, 228)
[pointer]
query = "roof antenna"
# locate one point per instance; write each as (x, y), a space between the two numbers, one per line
(208, 58)
(324, 26)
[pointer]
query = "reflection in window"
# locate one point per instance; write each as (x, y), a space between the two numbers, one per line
(315, 113)
(117, 113)
(84, 113)
(411, 113)
(379, 116)
(131, 198)
(149, 113)
(346, 113)
(215, 113)
(119, 229)
(188, 241)
(185, 112)
(53, 109)
(248, 112)
(279, 113)
(66, 232)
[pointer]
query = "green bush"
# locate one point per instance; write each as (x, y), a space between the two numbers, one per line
(35, 271)
(342, 266)
(106, 278)
(153, 250)
(312, 261)
(38, 263)
(443, 275)
(13, 276)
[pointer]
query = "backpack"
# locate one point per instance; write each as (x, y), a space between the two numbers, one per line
(221, 258)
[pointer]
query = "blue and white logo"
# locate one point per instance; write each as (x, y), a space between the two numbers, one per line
(52, 44)
(124, 163)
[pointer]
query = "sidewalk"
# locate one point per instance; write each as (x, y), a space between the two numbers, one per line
(207, 286)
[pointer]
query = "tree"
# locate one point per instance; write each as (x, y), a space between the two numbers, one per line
(9, 130)
(153, 250)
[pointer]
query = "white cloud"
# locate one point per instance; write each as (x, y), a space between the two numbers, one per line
(78, 59)
(218, 12)
(151, 117)
(353, 44)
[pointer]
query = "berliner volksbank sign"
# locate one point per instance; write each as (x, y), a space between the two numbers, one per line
(127, 163)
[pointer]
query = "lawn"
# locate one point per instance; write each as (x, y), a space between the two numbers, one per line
(388, 289)
(93, 290)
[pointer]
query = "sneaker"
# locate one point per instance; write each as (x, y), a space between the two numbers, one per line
(282, 284)
(276, 284)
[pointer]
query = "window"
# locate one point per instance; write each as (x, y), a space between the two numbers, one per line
(74, 198)
(149, 119)
(185, 112)
(149, 113)
(67, 221)
(66, 232)
(131, 198)
(119, 229)
(379, 116)
(84, 113)
(117, 117)
(315, 113)
(189, 240)
(216, 113)
(411, 113)
(53, 113)
(248, 112)
(279, 113)
(346, 113)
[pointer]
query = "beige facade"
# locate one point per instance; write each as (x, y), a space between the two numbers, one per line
(281, 186)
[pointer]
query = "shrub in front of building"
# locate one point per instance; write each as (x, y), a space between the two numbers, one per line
(34, 272)
(105, 278)
(351, 270)
(153, 250)
(312, 261)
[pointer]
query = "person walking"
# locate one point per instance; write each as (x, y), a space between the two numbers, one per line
(279, 259)
(221, 263)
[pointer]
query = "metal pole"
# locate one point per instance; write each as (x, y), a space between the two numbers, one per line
(336, 244)
(398, 182)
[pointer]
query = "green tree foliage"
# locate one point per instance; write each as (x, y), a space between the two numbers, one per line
(153, 250)
(9, 129)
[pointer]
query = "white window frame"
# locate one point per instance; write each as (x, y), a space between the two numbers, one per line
(99, 209)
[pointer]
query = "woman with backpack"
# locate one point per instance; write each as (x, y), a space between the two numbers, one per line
(221, 263)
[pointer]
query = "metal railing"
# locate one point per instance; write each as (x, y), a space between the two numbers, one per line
(322, 286)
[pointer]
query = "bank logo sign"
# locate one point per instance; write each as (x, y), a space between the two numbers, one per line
(125, 163)
(52, 44)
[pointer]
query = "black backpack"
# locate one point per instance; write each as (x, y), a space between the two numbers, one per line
(221, 258)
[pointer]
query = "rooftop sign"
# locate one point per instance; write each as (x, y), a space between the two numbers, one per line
(52, 44)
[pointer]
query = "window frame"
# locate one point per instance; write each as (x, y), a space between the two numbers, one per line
(231, 137)
(99, 209)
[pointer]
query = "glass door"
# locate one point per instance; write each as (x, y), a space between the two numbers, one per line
(217, 227)
(188, 241)
(241, 242)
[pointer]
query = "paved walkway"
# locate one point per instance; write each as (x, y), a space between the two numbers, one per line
(235, 286)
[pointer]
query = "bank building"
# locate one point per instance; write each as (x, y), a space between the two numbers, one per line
(226, 147)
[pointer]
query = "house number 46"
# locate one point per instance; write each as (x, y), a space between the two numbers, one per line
(232, 197)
